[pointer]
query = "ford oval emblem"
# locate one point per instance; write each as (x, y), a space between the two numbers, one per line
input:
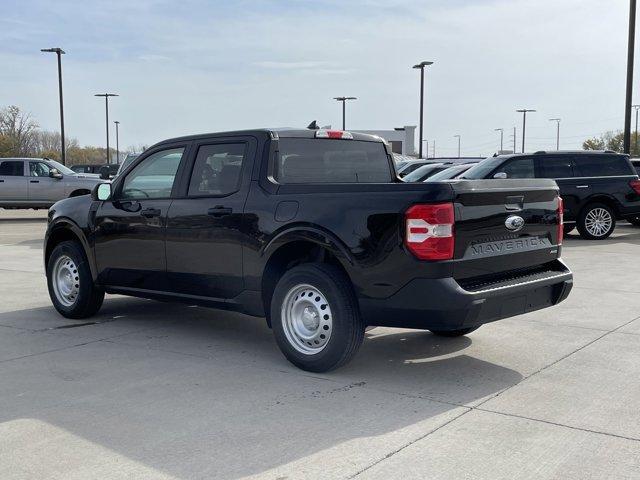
(514, 223)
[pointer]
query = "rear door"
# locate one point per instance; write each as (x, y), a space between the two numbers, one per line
(13, 182)
(130, 227)
(561, 168)
(205, 226)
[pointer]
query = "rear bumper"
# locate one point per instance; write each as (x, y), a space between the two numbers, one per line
(443, 304)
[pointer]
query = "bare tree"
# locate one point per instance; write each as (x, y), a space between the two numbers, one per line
(18, 130)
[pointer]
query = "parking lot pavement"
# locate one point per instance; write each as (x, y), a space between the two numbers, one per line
(162, 391)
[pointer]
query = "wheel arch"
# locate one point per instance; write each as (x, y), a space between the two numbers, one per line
(604, 199)
(297, 246)
(64, 230)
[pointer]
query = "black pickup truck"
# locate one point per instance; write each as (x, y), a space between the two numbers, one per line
(314, 231)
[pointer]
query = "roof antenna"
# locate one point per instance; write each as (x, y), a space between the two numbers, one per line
(313, 126)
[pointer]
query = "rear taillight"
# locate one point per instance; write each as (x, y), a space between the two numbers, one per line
(560, 212)
(635, 184)
(334, 134)
(429, 234)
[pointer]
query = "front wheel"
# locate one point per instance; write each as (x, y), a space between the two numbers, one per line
(315, 317)
(454, 333)
(71, 287)
(596, 222)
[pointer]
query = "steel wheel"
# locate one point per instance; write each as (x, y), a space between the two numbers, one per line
(598, 222)
(66, 280)
(307, 319)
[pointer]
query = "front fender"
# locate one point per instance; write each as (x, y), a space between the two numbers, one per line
(58, 230)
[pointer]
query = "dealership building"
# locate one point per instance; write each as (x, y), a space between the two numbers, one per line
(401, 139)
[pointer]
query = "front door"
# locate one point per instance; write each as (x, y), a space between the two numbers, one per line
(43, 187)
(13, 182)
(561, 168)
(205, 226)
(130, 227)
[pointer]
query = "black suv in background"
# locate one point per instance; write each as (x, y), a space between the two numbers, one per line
(598, 187)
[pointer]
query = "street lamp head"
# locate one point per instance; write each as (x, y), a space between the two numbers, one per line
(525, 110)
(116, 122)
(342, 99)
(106, 95)
(456, 136)
(498, 129)
(423, 64)
(555, 119)
(53, 50)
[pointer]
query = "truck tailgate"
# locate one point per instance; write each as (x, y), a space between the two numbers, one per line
(504, 226)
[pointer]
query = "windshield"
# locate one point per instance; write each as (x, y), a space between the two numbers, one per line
(61, 168)
(482, 169)
(449, 173)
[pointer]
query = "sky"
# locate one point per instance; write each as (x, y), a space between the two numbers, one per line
(194, 66)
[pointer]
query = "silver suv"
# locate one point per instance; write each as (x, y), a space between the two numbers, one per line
(39, 182)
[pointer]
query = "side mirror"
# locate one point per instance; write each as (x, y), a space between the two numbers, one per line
(54, 173)
(101, 192)
(500, 175)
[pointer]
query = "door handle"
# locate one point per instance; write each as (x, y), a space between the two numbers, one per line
(582, 186)
(150, 212)
(1, 181)
(219, 211)
(34, 181)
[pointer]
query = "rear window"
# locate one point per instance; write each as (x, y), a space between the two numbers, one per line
(308, 160)
(484, 168)
(602, 165)
(12, 169)
(424, 172)
(557, 167)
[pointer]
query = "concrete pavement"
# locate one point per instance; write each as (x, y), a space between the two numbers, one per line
(149, 390)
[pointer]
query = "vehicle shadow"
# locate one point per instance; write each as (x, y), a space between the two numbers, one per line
(143, 378)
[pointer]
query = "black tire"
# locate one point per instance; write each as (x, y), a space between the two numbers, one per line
(89, 297)
(582, 221)
(346, 325)
(454, 333)
(568, 228)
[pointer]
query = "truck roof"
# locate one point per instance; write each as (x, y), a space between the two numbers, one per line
(272, 132)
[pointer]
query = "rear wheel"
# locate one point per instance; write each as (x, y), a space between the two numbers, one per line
(596, 221)
(71, 287)
(454, 333)
(315, 317)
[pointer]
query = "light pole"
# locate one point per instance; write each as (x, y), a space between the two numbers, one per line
(630, 48)
(636, 107)
(117, 142)
(501, 130)
(524, 122)
(344, 101)
(421, 66)
(59, 52)
(106, 106)
(557, 120)
(458, 137)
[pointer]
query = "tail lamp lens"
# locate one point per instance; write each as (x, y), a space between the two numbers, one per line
(430, 231)
(635, 184)
(560, 220)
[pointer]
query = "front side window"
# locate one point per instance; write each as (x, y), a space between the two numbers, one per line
(519, 168)
(11, 168)
(39, 169)
(217, 169)
(154, 176)
(602, 165)
(557, 167)
(310, 160)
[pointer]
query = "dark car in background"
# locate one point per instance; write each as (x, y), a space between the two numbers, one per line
(105, 171)
(420, 174)
(598, 187)
(450, 173)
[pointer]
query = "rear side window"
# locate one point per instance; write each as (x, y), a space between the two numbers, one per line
(217, 169)
(602, 165)
(308, 160)
(12, 168)
(519, 168)
(557, 167)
